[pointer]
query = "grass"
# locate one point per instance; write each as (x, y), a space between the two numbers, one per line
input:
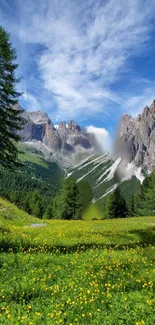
(33, 158)
(76, 272)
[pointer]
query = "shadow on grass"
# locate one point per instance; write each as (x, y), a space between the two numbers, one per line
(145, 238)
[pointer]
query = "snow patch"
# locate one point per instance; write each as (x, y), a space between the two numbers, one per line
(90, 171)
(96, 160)
(113, 169)
(111, 189)
(132, 170)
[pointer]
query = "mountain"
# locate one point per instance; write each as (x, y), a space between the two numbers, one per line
(63, 143)
(78, 154)
(136, 138)
(105, 174)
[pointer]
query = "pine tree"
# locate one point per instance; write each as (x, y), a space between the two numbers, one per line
(131, 207)
(86, 194)
(49, 211)
(68, 203)
(145, 197)
(36, 205)
(115, 205)
(10, 117)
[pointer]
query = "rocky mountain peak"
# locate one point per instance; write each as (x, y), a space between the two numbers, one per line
(152, 108)
(146, 111)
(39, 117)
(138, 136)
(62, 125)
(73, 127)
(62, 141)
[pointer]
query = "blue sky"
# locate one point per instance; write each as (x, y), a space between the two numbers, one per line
(90, 60)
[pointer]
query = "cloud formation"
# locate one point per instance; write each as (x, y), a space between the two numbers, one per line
(80, 49)
(102, 136)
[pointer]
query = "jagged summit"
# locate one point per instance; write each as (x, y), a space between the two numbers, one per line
(63, 141)
(38, 117)
(137, 137)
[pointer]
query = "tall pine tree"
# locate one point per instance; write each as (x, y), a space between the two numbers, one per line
(131, 207)
(86, 194)
(10, 117)
(145, 197)
(115, 205)
(68, 203)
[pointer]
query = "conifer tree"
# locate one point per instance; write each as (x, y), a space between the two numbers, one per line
(145, 197)
(86, 194)
(68, 203)
(10, 117)
(36, 205)
(49, 211)
(131, 207)
(115, 205)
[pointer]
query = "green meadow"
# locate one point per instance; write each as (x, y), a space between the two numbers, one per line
(76, 272)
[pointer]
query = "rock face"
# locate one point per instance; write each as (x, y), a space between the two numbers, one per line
(136, 139)
(66, 139)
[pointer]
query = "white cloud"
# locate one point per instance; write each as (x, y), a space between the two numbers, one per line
(102, 136)
(134, 105)
(32, 103)
(85, 46)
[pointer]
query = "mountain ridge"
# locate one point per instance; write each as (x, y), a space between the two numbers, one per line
(136, 138)
(64, 141)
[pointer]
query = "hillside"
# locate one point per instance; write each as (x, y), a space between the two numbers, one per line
(10, 215)
(17, 224)
(45, 177)
(101, 272)
(35, 175)
(103, 174)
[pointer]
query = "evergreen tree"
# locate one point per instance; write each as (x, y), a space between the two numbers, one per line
(49, 211)
(26, 203)
(116, 205)
(68, 203)
(145, 197)
(131, 207)
(36, 205)
(10, 117)
(86, 194)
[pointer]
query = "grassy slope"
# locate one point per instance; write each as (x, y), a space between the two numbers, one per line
(10, 215)
(76, 272)
(28, 154)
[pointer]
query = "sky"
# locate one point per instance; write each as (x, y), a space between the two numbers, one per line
(85, 60)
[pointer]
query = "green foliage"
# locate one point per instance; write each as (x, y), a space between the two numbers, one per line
(49, 213)
(129, 188)
(145, 197)
(19, 186)
(93, 212)
(86, 194)
(36, 206)
(115, 205)
(131, 207)
(68, 203)
(10, 117)
(98, 273)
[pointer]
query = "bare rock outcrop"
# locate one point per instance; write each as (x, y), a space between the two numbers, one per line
(136, 138)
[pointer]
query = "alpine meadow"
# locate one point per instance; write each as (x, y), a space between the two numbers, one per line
(77, 162)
